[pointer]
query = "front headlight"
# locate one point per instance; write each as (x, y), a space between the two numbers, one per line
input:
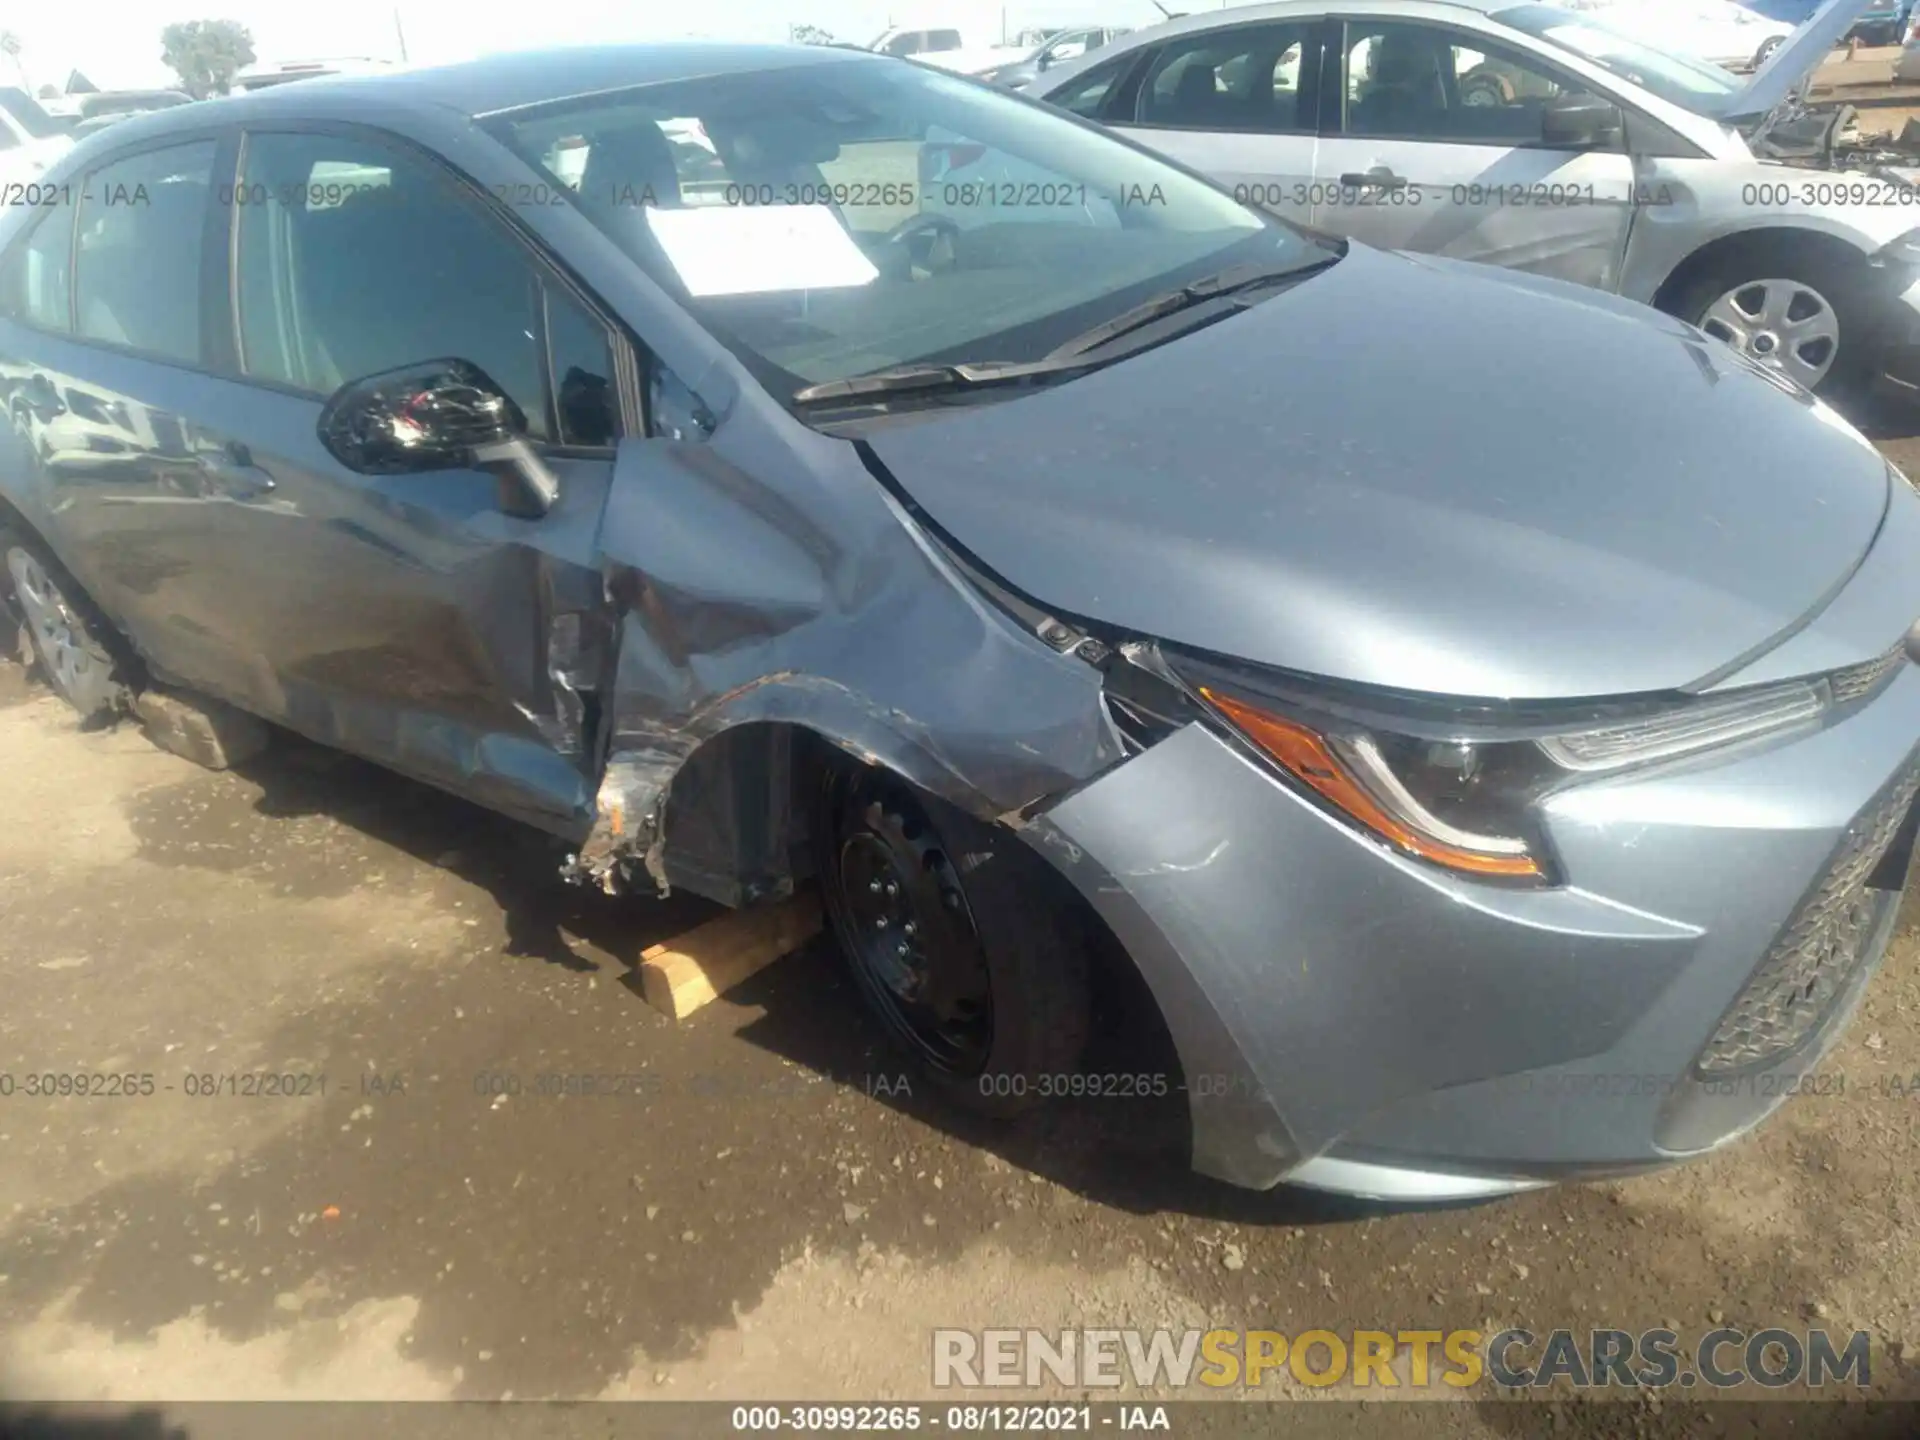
(1456, 803)
(1463, 789)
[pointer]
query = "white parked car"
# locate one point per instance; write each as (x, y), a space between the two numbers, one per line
(948, 47)
(1718, 31)
(1533, 137)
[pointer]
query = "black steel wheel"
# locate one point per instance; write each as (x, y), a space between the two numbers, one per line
(961, 943)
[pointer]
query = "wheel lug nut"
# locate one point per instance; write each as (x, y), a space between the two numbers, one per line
(881, 923)
(874, 886)
(902, 949)
(909, 928)
(892, 889)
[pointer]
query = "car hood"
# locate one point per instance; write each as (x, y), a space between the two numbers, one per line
(1422, 474)
(1796, 57)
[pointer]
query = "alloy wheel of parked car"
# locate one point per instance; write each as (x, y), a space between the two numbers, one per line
(956, 943)
(70, 647)
(1787, 325)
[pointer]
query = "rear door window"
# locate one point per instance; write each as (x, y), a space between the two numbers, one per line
(137, 270)
(36, 282)
(1246, 80)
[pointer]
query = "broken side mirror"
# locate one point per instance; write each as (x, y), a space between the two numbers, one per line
(438, 415)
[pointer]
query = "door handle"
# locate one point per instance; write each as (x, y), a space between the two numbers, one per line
(1378, 178)
(230, 471)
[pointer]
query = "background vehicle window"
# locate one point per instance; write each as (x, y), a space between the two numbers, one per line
(36, 284)
(1421, 83)
(943, 40)
(356, 258)
(1088, 95)
(1245, 80)
(906, 43)
(138, 276)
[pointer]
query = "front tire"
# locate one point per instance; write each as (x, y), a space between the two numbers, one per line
(966, 947)
(1803, 315)
(72, 643)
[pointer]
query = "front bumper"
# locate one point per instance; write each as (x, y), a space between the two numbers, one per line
(1354, 1020)
(1899, 367)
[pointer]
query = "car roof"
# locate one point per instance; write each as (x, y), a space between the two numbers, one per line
(1237, 15)
(494, 83)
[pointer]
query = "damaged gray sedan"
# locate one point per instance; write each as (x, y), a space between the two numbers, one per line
(1477, 707)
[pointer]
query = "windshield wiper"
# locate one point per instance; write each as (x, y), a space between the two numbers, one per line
(898, 378)
(1229, 281)
(1074, 355)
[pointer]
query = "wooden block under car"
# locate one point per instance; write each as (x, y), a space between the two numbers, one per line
(200, 729)
(690, 970)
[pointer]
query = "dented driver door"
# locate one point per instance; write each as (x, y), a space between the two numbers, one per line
(408, 618)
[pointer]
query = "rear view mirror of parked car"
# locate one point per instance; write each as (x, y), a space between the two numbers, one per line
(438, 415)
(1581, 122)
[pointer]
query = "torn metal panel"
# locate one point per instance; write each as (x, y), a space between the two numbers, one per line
(797, 591)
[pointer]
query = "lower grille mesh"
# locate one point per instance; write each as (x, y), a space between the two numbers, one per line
(1823, 944)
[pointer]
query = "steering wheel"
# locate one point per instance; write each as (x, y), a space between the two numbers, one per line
(928, 243)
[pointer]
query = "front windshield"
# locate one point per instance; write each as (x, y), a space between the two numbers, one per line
(831, 218)
(1691, 84)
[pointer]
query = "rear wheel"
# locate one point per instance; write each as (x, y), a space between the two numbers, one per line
(70, 641)
(960, 941)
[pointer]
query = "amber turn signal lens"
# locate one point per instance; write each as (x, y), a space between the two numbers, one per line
(1307, 757)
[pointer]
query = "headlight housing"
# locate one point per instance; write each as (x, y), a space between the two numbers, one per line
(1460, 786)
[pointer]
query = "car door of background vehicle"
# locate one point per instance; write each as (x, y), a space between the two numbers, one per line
(407, 618)
(1237, 105)
(1432, 144)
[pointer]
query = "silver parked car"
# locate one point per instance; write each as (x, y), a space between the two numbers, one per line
(1476, 707)
(1540, 139)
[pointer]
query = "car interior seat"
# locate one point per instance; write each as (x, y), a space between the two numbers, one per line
(629, 167)
(1405, 93)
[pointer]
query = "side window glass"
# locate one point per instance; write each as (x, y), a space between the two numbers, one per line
(1245, 80)
(137, 278)
(354, 258)
(1087, 96)
(582, 364)
(938, 40)
(36, 282)
(1415, 82)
